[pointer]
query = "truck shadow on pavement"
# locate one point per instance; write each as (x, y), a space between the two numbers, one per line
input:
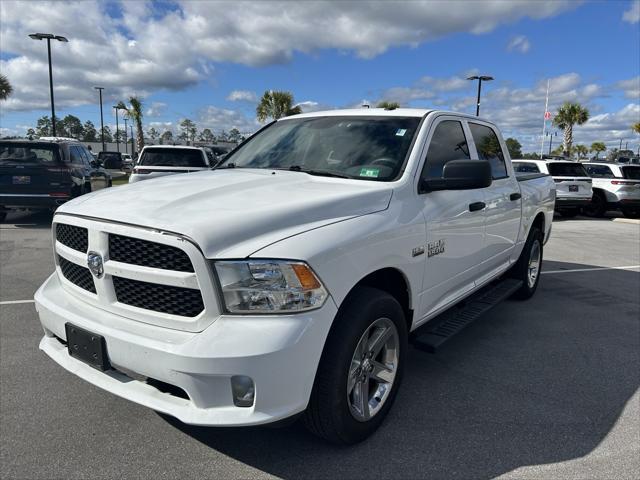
(531, 383)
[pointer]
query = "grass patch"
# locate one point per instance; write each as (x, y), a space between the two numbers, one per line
(120, 181)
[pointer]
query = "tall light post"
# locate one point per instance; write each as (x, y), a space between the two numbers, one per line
(48, 37)
(101, 119)
(555, 134)
(126, 148)
(480, 79)
(116, 108)
(132, 141)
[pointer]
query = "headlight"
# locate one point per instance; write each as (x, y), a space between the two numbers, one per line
(269, 286)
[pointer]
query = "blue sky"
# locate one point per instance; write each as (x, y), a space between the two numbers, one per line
(185, 60)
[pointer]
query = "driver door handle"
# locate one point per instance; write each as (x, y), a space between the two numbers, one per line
(474, 207)
(515, 196)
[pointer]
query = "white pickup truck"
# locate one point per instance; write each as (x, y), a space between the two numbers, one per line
(288, 281)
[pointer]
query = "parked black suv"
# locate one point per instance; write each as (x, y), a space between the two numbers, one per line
(111, 160)
(44, 173)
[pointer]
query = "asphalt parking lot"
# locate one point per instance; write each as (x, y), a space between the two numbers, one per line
(542, 389)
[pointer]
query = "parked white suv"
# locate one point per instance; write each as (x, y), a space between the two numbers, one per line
(161, 160)
(615, 187)
(287, 280)
(573, 183)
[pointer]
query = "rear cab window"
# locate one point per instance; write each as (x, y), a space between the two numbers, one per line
(489, 149)
(448, 143)
(599, 171)
(525, 167)
(172, 157)
(632, 173)
(26, 154)
(566, 169)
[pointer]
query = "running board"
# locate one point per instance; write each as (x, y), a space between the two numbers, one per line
(447, 324)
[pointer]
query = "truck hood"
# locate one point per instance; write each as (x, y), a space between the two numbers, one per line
(232, 213)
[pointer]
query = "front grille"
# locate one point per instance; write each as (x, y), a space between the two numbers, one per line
(148, 254)
(185, 302)
(77, 275)
(73, 237)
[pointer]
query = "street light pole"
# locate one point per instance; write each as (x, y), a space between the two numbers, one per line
(550, 139)
(48, 37)
(126, 148)
(101, 119)
(132, 141)
(117, 129)
(480, 78)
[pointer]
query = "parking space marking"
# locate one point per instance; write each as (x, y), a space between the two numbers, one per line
(15, 302)
(629, 267)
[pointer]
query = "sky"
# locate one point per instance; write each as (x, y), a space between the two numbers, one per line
(211, 61)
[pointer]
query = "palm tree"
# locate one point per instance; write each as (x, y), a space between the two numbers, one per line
(636, 127)
(135, 113)
(5, 87)
(598, 147)
(581, 150)
(570, 114)
(275, 104)
(388, 105)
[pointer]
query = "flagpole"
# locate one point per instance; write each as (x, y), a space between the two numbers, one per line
(544, 120)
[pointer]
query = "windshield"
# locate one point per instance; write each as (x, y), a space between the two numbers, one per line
(366, 148)
(17, 153)
(632, 173)
(563, 169)
(172, 157)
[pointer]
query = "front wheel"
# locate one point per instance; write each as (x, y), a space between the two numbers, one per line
(631, 212)
(597, 207)
(361, 368)
(527, 268)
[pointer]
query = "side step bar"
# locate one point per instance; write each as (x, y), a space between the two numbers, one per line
(446, 325)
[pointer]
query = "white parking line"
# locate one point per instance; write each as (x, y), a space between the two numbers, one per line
(15, 302)
(629, 267)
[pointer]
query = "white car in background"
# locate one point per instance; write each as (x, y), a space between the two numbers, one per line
(573, 183)
(161, 160)
(615, 187)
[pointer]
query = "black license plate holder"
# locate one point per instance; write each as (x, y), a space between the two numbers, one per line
(573, 188)
(21, 179)
(87, 347)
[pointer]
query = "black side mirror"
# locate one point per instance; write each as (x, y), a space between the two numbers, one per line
(95, 164)
(460, 175)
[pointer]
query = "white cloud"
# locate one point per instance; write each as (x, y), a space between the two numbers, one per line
(519, 44)
(218, 119)
(630, 87)
(155, 109)
(243, 96)
(632, 15)
(147, 47)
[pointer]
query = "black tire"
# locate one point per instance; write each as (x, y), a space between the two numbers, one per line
(569, 212)
(3, 216)
(328, 414)
(631, 212)
(597, 207)
(520, 271)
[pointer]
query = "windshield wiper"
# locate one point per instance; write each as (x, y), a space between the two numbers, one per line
(319, 173)
(227, 165)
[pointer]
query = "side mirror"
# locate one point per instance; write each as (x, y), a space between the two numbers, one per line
(460, 175)
(95, 164)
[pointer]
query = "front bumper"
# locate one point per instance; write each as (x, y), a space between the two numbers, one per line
(32, 201)
(280, 354)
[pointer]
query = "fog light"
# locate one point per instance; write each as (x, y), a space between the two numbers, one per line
(243, 391)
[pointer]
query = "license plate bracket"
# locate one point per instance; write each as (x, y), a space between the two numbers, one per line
(21, 179)
(573, 188)
(87, 347)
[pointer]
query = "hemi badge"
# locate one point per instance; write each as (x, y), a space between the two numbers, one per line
(417, 251)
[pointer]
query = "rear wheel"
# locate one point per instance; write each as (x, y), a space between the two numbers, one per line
(597, 207)
(528, 266)
(361, 368)
(3, 216)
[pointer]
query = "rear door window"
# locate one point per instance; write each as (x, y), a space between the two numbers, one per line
(172, 157)
(525, 167)
(565, 169)
(489, 149)
(632, 173)
(599, 171)
(76, 155)
(21, 154)
(447, 143)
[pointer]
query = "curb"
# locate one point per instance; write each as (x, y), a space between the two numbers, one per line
(633, 221)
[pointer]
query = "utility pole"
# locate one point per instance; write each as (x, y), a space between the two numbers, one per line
(126, 148)
(117, 129)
